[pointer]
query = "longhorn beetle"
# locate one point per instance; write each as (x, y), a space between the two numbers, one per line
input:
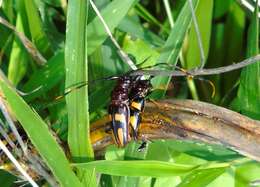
(127, 104)
(140, 89)
(119, 110)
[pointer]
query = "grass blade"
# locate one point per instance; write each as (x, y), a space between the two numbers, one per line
(41, 138)
(76, 71)
(249, 89)
(204, 17)
(76, 65)
(137, 168)
(39, 37)
(112, 14)
(18, 57)
(202, 177)
(173, 45)
(46, 77)
(136, 29)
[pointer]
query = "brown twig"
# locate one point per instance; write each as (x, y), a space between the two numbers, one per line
(196, 72)
(191, 120)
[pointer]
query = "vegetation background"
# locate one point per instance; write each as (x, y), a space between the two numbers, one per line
(150, 32)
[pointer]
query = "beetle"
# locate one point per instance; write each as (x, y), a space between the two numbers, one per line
(140, 89)
(119, 111)
(127, 103)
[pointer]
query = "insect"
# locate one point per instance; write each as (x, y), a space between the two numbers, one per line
(119, 111)
(127, 102)
(141, 88)
(143, 146)
(126, 105)
(124, 109)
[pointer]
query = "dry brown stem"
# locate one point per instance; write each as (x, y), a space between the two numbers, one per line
(190, 120)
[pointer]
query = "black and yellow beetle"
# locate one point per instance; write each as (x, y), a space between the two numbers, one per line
(119, 111)
(127, 103)
(140, 89)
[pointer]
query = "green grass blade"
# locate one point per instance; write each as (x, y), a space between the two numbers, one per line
(6, 179)
(192, 54)
(203, 151)
(136, 29)
(202, 177)
(141, 51)
(233, 43)
(221, 7)
(46, 77)
(76, 66)
(18, 57)
(173, 45)
(112, 14)
(38, 35)
(145, 14)
(137, 168)
(204, 13)
(249, 89)
(76, 71)
(41, 138)
(246, 173)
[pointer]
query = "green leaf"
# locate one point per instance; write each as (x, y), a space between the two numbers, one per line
(163, 181)
(41, 138)
(216, 56)
(173, 45)
(112, 15)
(225, 179)
(249, 88)
(204, 19)
(137, 168)
(142, 52)
(6, 179)
(76, 72)
(203, 150)
(247, 173)
(136, 30)
(56, 3)
(152, 153)
(232, 44)
(76, 66)
(39, 37)
(146, 15)
(202, 177)
(46, 77)
(221, 7)
(18, 57)
(104, 62)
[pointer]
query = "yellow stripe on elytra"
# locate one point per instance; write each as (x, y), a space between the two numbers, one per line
(120, 136)
(136, 105)
(133, 121)
(120, 117)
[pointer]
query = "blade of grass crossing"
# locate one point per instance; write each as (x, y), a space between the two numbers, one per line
(249, 89)
(173, 45)
(202, 177)
(18, 58)
(40, 137)
(138, 168)
(204, 17)
(76, 70)
(192, 55)
(112, 14)
(36, 28)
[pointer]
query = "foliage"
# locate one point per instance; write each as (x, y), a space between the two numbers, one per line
(77, 49)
